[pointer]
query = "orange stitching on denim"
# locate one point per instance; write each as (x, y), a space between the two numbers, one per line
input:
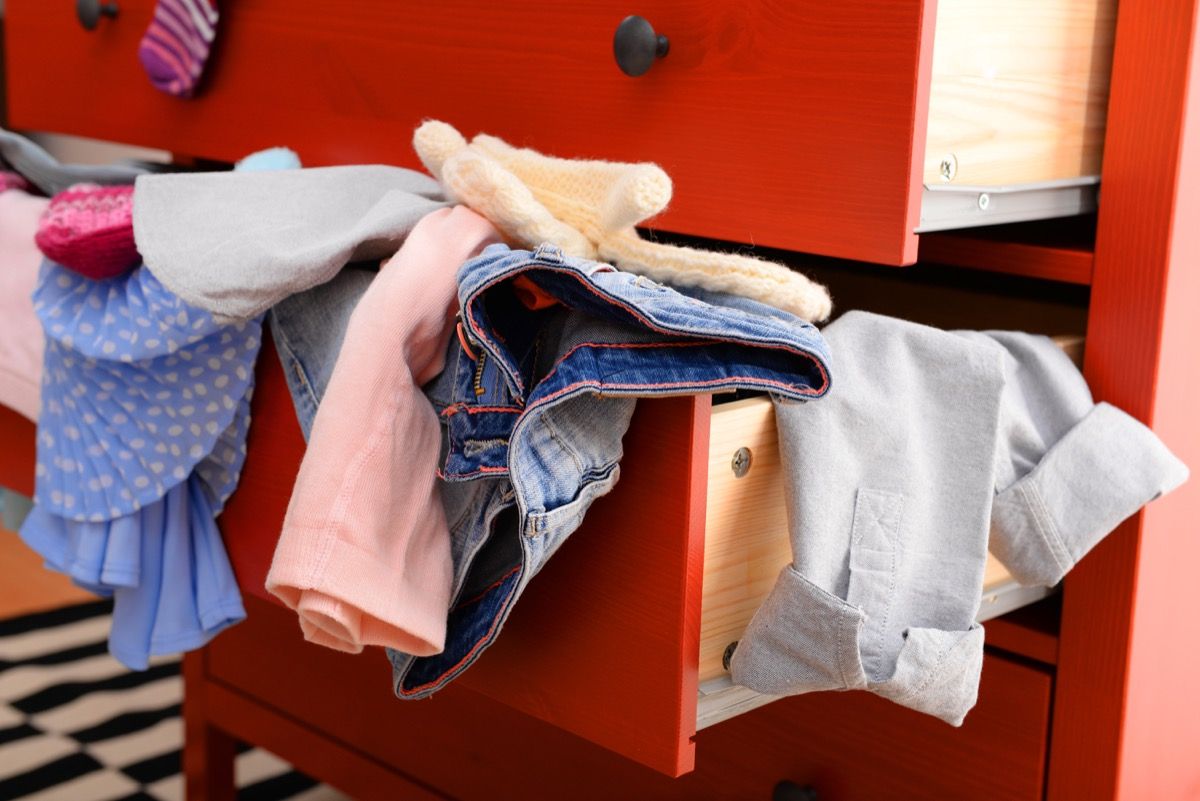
(490, 587)
(484, 469)
(674, 385)
(587, 285)
(811, 391)
(455, 408)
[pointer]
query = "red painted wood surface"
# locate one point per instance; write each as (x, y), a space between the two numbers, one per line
(1054, 250)
(209, 752)
(849, 746)
(18, 451)
(1127, 712)
(798, 125)
(228, 710)
(1031, 632)
(620, 599)
(334, 763)
(606, 639)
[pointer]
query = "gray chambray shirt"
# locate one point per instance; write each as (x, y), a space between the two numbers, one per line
(928, 440)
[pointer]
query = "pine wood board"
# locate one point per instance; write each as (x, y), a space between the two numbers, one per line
(1019, 90)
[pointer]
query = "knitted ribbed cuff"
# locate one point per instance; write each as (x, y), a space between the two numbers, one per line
(1106, 468)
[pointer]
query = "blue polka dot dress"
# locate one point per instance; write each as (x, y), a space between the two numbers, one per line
(141, 438)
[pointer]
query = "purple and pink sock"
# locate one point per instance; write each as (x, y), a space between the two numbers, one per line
(176, 44)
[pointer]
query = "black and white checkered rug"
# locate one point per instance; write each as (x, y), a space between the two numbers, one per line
(75, 725)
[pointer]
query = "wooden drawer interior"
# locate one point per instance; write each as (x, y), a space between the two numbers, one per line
(1017, 104)
(1019, 91)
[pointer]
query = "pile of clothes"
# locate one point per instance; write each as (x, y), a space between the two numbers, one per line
(464, 353)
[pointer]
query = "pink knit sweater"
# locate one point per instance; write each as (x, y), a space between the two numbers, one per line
(364, 557)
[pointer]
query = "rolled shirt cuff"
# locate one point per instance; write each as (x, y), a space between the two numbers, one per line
(1106, 468)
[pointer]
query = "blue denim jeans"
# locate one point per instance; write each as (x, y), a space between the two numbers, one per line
(538, 391)
(308, 328)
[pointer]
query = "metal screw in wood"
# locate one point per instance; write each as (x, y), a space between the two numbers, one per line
(727, 657)
(741, 462)
(949, 167)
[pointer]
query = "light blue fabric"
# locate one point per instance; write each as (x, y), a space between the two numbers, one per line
(141, 439)
(164, 565)
(138, 390)
(273, 158)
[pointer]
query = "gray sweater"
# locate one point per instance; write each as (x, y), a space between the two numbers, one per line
(237, 243)
(927, 440)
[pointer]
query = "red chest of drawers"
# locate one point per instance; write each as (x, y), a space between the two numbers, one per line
(1095, 705)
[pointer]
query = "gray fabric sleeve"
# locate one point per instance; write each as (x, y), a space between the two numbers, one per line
(1107, 467)
(888, 482)
(1067, 471)
(928, 440)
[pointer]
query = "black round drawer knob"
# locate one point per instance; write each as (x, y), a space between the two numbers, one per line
(790, 791)
(636, 46)
(89, 12)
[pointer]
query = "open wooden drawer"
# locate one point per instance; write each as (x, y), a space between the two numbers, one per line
(746, 545)
(619, 639)
(837, 128)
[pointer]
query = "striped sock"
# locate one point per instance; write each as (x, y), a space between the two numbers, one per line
(176, 44)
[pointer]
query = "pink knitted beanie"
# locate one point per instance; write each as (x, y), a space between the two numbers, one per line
(89, 229)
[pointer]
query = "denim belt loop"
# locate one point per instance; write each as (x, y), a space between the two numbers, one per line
(548, 252)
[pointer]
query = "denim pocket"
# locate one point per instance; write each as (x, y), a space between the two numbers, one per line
(545, 531)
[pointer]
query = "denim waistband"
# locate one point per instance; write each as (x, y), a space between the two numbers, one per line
(789, 356)
(527, 382)
(538, 391)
